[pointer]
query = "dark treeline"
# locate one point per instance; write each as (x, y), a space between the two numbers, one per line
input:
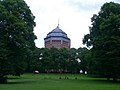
(56, 60)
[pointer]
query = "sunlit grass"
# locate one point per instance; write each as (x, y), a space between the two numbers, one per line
(58, 82)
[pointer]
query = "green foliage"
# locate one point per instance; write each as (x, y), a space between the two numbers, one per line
(16, 36)
(104, 38)
(55, 60)
(83, 56)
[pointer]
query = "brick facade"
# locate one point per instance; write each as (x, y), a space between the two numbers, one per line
(57, 44)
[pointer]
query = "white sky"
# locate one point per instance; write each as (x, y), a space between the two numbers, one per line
(74, 17)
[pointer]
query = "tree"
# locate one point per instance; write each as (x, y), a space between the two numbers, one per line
(34, 60)
(64, 60)
(104, 39)
(16, 36)
(45, 60)
(82, 55)
(73, 65)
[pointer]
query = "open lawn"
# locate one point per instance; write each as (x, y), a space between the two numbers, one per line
(58, 82)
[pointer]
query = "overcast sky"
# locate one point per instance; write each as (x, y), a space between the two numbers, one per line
(74, 17)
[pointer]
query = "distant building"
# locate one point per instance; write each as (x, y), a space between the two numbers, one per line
(57, 39)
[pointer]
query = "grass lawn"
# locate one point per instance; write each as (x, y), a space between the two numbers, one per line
(53, 82)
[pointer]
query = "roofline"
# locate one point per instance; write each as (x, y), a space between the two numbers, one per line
(57, 37)
(56, 32)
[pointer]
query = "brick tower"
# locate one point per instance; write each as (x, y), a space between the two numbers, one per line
(57, 39)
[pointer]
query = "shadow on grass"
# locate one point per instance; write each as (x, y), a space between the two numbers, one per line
(18, 80)
(105, 81)
(21, 82)
(14, 78)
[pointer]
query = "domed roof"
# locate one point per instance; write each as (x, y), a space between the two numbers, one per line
(57, 32)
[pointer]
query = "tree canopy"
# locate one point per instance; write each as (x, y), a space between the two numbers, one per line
(55, 60)
(16, 36)
(104, 39)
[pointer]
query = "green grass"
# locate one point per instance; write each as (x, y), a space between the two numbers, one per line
(52, 82)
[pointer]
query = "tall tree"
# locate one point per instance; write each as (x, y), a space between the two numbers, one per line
(73, 64)
(64, 60)
(16, 36)
(104, 38)
(82, 55)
